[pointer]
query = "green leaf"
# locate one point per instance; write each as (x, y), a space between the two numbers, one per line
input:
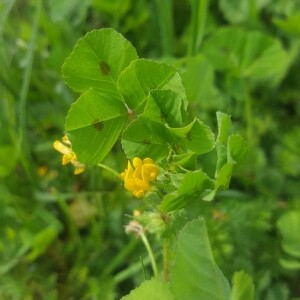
(287, 154)
(153, 289)
(198, 77)
(242, 287)
(237, 11)
(224, 176)
(164, 106)
(193, 183)
(289, 227)
(169, 104)
(195, 274)
(222, 180)
(97, 60)
(152, 110)
(224, 127)
(186, 160)
(247, 54)
(145, 138)
(290, 264)
(94, 124)
(237, 149)
(142, 76)
(196, 137)
(291, 25)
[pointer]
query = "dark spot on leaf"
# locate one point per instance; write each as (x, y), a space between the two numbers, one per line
(98, 124)
(145, 141)
(189, 136)
(225, 50)
(104, 68)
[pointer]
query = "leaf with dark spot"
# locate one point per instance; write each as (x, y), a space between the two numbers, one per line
(104, 67)
(98, 125)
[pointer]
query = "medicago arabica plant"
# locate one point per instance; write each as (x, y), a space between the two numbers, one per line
(143, 104)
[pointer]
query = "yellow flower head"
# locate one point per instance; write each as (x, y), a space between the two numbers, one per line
(69, 155)
(138, 175)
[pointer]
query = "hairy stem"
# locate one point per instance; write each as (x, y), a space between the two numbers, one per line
(150, 253)
(112, 171)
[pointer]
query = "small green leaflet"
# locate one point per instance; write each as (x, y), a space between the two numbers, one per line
(248, 54)
(97, 60)
(242, 287)
(196, 137)
(142, 76)
(192, 183)
(94, 124)
(153, 289)
(288, 225)
(202, 277)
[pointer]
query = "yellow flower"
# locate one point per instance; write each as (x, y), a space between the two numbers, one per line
(69, 155)
(138, 175)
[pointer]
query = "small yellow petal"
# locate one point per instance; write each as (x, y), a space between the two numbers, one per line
(150, 172)
(138, 194)
(42, 170)
(142, 184)
(138, 172)
(129, 171)
(66, 140)
(79, 170)
(60, 147)
(130, 185)
(137, 213)
(148, 161)
(67, 158)
(137, 162)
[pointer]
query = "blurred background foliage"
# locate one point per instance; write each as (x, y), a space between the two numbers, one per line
(61, 236)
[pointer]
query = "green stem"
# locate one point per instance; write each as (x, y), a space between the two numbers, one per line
(166, 255)
(199, 14)
(26, 158)
(71, 227)
(112, 171)
(150, 253)
(166, 26)
(130, 271)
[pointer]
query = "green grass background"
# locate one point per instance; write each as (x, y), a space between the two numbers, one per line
(61, 236)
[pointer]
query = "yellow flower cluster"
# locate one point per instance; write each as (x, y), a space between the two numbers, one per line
(68, 155)
(138, 175)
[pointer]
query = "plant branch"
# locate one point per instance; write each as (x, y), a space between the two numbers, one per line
(150, 253)
(112, 171)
